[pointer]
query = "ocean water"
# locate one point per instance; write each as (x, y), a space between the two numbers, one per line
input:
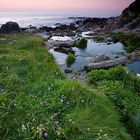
(37, 19)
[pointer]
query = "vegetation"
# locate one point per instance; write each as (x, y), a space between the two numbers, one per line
(81, 43)
(131, 41)
(98, 38)
(123, 89)
(70, 59)
(36, 99)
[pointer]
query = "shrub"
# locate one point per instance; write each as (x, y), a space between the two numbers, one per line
(82, 43)
(70, 59)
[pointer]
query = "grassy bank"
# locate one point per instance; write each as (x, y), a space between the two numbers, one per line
(37, 100)
(131, 41)
(123, 89)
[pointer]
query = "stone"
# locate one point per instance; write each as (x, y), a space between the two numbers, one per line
(10, 27)
(101, 58)
(64, 50)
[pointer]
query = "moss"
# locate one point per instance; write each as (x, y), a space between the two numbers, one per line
(131, 41)
(70, 59)
(98, 38)
(81, 43)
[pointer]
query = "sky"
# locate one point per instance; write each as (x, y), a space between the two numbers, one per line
(93, 7)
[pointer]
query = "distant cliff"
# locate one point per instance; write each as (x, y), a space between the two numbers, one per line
(128, 20)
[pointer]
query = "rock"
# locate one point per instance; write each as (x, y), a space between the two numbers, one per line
(106, 64)
(64, 50)
(101, 58)
(134, 56)
(60, 32)
(10, 27)
(68, 44)
(68, 70)
(47, 29)
(129, 18)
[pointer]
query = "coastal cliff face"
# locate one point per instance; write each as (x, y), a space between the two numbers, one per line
(128, 20)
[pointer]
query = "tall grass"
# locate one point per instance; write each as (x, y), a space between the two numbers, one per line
(38, 102)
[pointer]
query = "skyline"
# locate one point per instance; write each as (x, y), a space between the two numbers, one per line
(87, 7)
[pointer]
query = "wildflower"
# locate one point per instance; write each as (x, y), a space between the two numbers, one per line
(88, 129)
(40, 129)
(33, 119)
(101, 130)
(82, 101)
(70, 120)
(73, 122)
(105, 135)
(61, 100)
(23, 127)
(45, 134)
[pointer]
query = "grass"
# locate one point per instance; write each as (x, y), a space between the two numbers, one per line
(98, 38)
(81, 43)
(123, 89)
(70, 59)
(37, 99)
(131, 41)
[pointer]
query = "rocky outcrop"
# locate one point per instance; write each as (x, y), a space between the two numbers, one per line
(10, 27)
(92, 24)
(129, 19)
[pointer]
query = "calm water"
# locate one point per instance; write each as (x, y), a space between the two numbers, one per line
(85, 56)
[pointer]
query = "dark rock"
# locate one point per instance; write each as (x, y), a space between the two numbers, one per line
(47, 29)
(128, 15)
(10, 27)
(68, 70)
(24, 29)
(64, 50)
(134, 56)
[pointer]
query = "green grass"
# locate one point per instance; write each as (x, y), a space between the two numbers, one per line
(131, 41)
(70, 59)
(81, 43)
(35, 97)
(123, 89)
(98, 38)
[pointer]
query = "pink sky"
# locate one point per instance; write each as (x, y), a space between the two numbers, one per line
(65, 5)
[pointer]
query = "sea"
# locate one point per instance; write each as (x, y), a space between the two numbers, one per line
(37, 19)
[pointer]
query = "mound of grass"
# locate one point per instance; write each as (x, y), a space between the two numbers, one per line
(70, 59)
(123, 89)
(37, 101)
(131, 41)
(81, 43)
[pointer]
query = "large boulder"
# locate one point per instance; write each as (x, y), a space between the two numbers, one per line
(10, 27)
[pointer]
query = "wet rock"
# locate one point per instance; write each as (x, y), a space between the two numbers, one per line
(10, 27)
(68, 70)
(47, 29)
(64, 50)
(106, 64)
(134, 56)
(60, 32)
(101, 58)
(68, 44)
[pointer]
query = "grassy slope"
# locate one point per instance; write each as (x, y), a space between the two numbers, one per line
(123, 89)
(35, 97)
